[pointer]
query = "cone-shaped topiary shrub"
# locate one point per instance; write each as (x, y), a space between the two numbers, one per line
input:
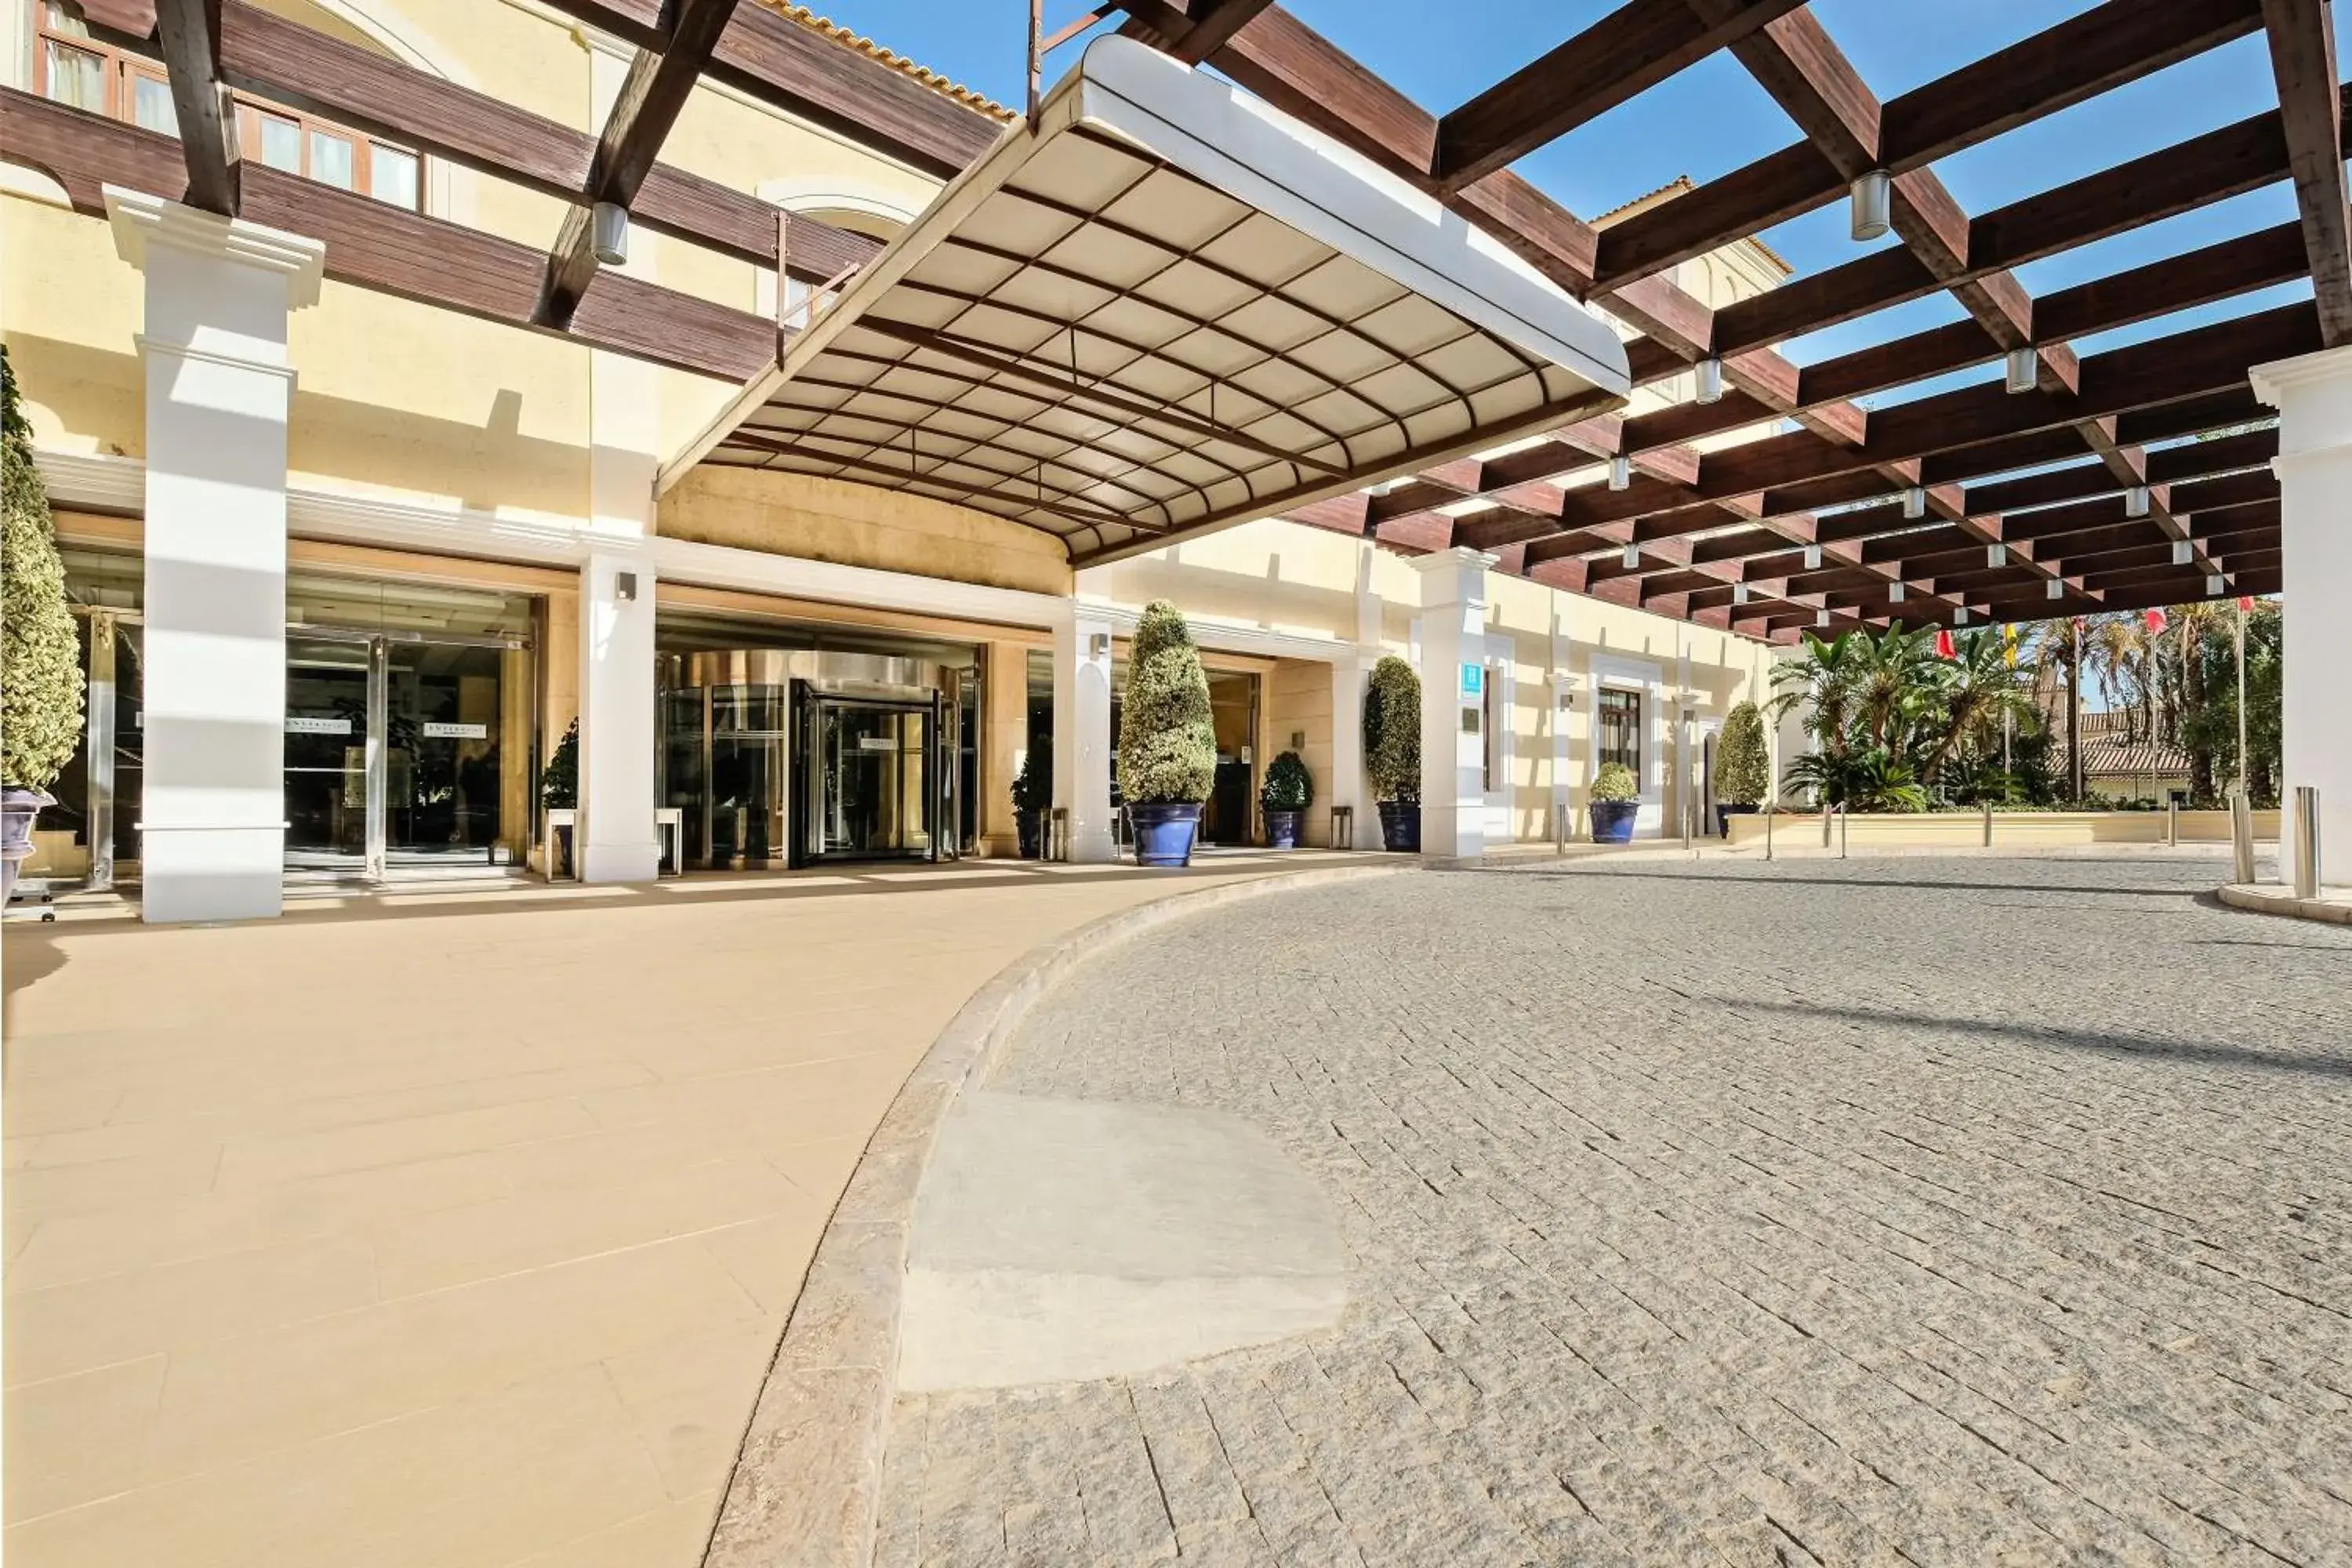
(1289, 786)
(1167, 743)
(1393, 731)
(559, 782)
(1743, 772)
(40, 669)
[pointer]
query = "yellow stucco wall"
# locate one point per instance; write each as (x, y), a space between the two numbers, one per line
(857, 525)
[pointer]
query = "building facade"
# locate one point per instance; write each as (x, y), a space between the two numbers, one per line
(464, 524)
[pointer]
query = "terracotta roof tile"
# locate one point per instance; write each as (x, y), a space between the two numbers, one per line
(865, 46)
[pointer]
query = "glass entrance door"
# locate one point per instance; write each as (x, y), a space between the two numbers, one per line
(327, 686)
(441, 776)
(871, 791)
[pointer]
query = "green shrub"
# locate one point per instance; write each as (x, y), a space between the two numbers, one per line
(40, 669)
(1166, 741)
(1289, 786)
(1616, 782)
(1393, 731)
(1743, 772)
(559, 782)
(1032, 786)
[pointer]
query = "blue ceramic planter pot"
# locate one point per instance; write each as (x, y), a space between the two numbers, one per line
(1612, 820)
(1400, 825)
(1165, 832)
(1282, 829)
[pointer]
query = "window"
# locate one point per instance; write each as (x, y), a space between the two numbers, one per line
(1620, 718)
(72, 68)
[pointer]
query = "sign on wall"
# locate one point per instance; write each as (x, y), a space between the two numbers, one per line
(1474, 680)
(437, 731)
(312, 724)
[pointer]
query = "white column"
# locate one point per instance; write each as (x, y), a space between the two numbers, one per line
(1453, 674)
(1082, 728)
(617, 843)
(1350, 679)
(213, 820)
(1563, 690)
(2313, 397)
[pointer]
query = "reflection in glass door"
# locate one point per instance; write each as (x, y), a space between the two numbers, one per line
(441, 776)
(869, 789)
(327, 682)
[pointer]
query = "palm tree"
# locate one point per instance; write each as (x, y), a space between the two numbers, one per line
(1980, 692)
(1822, 681)
(1897, 680)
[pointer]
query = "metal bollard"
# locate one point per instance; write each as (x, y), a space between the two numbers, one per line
(2171, 823)
(1771, 810)
(1843, 814)
(1560, 817)
(1987, 825)
(2307, 841)
(1689, 810)
(1825, 824)
(2242, 838)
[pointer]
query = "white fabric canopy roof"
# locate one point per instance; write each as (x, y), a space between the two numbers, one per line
(1163, 310)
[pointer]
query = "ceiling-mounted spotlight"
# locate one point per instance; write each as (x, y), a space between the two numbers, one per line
(2214, 587)
(1813, 557)
(2135, 501)
(1710, 380)
(1996, 555)
(2183, 553)
(1739, 593)
(1633, 557)
(1960, 615)
(2055, 589)
(1915, 503)
(1874, 205)
(1621, 471)
(1821, 617)
(2021, 371)
(608, 233)
(1895, 592)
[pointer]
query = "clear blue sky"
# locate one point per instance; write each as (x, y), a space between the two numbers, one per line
(1712, 117)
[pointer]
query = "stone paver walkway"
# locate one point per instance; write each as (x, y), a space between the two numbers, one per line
(451, 1231)
(1959, 1212)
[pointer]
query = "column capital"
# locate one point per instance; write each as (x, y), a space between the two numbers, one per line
(141, 221)
(2313, 393)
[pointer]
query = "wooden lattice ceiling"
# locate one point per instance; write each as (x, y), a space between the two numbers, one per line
(1764, 537)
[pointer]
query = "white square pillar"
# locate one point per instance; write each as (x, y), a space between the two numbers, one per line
(219, 388)
(2313, 397)
(1453, 664)
(1349, 785)
(1082, 729)
(616, 719)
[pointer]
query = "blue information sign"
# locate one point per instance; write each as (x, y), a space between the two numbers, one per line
(1473, 677)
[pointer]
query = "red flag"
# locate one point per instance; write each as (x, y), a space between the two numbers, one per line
(2246, 603)
(2154, 622)
(1943, 642)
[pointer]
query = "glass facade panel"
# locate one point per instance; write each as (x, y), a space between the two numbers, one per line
(331, 160)
(281, 142)
(1619, 715)
(442, 765)
(326, 748)
(392, 176)
(75, 77)
(151, 105)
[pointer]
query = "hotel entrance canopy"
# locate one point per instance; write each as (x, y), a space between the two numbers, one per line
(1162, 308)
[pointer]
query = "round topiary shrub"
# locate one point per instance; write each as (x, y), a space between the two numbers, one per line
(1166, 741)
(1743, 772)
(40, 666)
(1616, 782)
(1393, 731)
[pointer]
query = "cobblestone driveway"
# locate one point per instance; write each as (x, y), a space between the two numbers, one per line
(1947, 1212)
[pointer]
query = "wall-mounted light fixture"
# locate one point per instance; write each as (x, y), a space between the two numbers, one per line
(2021, 371)
(625, 587)
(1633, 557)
(1621, 471)
(1960, 615)
(2183, 553)
(1874, 205)
(608, 233)
(2214, 585)
(1915, 503)
(1996, 555)
(1821, 617)
(1813, 557)
(2135, 501)
(1739, 593)
(1710, 380)
(2054, 589)
(1895, 592)
(1097, 644)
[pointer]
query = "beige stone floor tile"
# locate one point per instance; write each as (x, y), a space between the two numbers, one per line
(37, 1106)
(332, 1374)
(73, 1438)
(770, 1258)
(78, 1247)
(750, 1092)
(75, 1328)
(673, 1535)
(358, 1092)
(30, 1196)
(246, 1161)
(552, 1225)
(466, 1485)
(821, 1165)
(691, 1398)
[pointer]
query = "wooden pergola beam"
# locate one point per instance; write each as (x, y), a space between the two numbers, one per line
(189, 32)
(1620, 57)
(652, 96)
(2311, 107)
(2103, 48)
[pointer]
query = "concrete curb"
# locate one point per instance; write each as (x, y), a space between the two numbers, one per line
(2263, 899)
(806, 1487)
